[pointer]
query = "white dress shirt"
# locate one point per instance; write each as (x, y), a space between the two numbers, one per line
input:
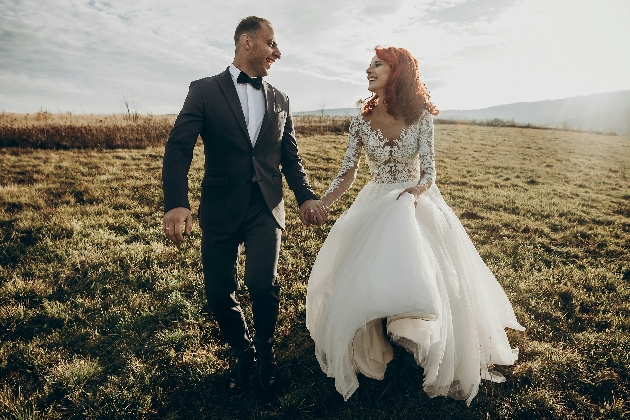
(252, 103)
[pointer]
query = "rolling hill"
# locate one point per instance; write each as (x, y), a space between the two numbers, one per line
(608, 112)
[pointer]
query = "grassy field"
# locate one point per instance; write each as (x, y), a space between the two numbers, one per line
(100, 317)
(44, 130)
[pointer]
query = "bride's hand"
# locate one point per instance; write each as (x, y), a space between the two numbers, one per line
(415, 191)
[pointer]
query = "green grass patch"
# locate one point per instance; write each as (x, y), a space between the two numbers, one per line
(101, 317)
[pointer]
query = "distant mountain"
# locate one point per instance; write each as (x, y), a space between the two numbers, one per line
(602, 111)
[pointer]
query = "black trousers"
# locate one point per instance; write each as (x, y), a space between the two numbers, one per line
(260, 235)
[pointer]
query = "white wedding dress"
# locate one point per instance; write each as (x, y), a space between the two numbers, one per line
(414, 268)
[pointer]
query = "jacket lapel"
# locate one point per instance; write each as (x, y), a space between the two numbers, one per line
(229, 91)
(269, 111)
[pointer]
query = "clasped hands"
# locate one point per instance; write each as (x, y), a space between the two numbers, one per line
(313, 212)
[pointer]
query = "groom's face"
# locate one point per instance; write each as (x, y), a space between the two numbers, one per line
(264, 51)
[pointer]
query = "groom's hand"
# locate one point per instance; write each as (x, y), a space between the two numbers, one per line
(173, 221)
(313, 212)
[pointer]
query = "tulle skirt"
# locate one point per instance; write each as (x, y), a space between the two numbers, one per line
(415, 270)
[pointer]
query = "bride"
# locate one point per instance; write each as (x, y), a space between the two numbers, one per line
(397, 266)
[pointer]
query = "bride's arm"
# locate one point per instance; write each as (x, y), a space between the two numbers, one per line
(348, 171)
(427, 152)
(427, 157)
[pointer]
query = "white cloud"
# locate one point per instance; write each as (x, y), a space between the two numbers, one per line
(84, 55)
(467, 11)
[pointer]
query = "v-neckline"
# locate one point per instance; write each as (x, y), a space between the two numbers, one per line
(379, 133)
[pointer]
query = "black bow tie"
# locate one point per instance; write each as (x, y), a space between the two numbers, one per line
(256, 82)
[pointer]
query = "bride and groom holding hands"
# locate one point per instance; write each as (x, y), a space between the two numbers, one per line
(397, 266)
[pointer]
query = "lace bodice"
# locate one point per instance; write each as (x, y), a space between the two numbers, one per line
(409, 157)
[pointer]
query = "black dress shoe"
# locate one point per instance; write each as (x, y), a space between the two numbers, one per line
(239, 377)
(268, 374)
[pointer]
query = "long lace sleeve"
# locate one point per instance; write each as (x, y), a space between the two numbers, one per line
(426, 151)
(348, 171)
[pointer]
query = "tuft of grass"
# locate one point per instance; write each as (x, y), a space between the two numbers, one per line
(101, 317)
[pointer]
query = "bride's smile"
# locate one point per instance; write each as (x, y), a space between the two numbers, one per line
(377, 74)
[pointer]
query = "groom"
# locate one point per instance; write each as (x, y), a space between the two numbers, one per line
(249, 142)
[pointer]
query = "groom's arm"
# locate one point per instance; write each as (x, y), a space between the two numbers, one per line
(292, 166)
(178, 155)
(293, 170)
(179, 150)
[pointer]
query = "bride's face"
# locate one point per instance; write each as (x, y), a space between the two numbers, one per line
(377, 75)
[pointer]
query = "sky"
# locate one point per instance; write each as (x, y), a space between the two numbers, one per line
(91, 56)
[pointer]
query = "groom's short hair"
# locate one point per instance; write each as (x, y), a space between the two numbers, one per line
(250, 26)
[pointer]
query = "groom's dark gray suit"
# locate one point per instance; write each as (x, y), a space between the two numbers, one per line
(241, 198)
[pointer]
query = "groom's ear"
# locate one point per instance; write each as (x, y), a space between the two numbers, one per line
(246, 41)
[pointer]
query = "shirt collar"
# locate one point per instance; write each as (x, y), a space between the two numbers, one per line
(234, 71)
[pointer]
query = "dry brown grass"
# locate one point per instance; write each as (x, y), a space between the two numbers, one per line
(44, 130)
(497, 122)
(314, 125)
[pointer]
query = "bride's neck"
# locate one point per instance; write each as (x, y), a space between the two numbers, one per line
(380, 110)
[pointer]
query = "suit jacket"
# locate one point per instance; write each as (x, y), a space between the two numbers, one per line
(212, 109)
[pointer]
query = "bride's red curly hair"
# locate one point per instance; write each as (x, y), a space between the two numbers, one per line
(404, 94)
